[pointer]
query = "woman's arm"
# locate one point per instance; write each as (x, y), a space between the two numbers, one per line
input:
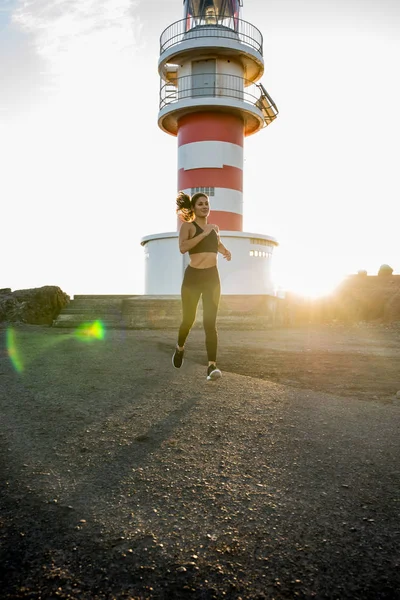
(224, 251)
(221, 248)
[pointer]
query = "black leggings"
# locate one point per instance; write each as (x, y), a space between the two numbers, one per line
(205, 283)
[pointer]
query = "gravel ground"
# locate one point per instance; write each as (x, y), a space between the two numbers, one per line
(125, 478)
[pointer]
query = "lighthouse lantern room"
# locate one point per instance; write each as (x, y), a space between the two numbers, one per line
(211, 12)
(211, 98)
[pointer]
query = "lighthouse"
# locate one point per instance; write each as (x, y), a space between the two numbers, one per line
(211, 98)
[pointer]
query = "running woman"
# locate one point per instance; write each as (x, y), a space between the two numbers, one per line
(201, 278)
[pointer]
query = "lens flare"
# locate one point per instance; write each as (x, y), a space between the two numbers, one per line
(88, 332)
(37, 345)
(12, 351)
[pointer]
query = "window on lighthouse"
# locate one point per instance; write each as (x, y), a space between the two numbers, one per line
(210, 191)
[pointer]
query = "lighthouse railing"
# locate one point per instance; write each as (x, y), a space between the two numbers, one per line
(228, 28)
(218, 85)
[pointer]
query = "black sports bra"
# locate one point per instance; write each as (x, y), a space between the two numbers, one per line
(208, 244)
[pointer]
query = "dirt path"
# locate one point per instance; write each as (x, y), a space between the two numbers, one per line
(124, 478)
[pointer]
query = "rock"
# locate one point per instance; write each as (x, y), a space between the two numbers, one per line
(398, 394)
(385, 271)
(35, 306)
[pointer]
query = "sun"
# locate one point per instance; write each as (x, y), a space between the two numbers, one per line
(314, 287)
(306, 280)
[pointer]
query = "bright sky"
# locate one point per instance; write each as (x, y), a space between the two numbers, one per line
(86, 172)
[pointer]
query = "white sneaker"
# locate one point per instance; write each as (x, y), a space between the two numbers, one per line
(213, 373)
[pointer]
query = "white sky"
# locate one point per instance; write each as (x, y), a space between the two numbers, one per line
(86, 172)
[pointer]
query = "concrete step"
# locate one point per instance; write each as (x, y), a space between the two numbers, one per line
(86, 302)
(105, 296)
(66, 320)
(164, 312)
(91, 313)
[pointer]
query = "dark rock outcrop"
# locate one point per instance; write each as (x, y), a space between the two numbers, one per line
(35, 306)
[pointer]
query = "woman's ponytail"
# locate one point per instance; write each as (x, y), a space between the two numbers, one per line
(184, 207)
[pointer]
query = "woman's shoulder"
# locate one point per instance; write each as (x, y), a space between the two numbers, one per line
(187, 227)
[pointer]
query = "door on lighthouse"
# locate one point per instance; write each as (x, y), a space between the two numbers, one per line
(203, 77)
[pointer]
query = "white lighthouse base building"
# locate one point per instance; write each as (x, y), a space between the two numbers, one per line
(249, 271)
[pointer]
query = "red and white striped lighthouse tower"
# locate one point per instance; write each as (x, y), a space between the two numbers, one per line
(209, 65)
(210, 157)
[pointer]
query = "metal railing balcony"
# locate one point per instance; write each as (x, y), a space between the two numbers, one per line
(228, 28)
(218, 86)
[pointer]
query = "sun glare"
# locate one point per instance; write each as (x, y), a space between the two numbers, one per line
(313, 288)
(307, 281)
